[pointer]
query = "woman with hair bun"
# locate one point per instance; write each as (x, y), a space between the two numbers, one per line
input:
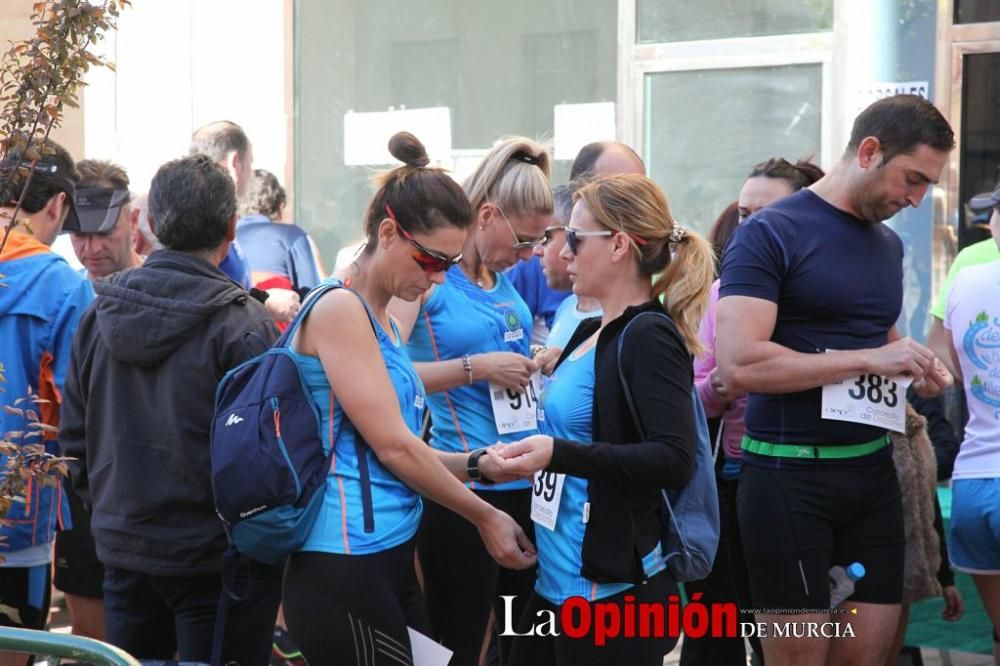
(351, 591)
(470, 342)
(603, 467)
(775, 179)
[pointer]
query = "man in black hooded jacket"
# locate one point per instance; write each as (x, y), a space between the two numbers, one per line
(139, 397)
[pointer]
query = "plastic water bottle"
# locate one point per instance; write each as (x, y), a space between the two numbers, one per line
(842, 581)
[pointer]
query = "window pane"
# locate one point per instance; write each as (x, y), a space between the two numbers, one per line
(683, 20)
(705, 129)
(498, 67)
(980, 157)
(976, 11)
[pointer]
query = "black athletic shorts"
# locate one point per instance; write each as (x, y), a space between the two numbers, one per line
(25, 595)
(799, 518)
(78, 571)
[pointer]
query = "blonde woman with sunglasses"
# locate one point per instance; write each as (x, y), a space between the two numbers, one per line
(598, 507)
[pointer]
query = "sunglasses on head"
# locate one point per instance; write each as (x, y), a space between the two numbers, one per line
(429, 260)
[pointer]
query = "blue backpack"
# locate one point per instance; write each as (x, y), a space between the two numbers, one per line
(690, 535)
(268, 464)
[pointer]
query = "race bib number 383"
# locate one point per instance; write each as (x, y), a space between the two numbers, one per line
(868, 399)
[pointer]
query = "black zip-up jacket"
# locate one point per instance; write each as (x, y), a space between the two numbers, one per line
(626, 474)
(138, 405)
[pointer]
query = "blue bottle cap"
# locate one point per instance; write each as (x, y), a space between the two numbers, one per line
(856, 571)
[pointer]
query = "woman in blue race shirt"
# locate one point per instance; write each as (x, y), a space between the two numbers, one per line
(598, 507)
(351, 591)
(470, 343)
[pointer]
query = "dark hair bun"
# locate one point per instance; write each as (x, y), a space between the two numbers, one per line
(811, 171)
(407, 149)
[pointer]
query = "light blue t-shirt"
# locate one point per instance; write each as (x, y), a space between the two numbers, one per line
(566, 321)
(339, 526)
(567, 404)
(461, 318)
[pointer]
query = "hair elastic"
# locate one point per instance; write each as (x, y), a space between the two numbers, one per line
(678, 234)
(525, 157)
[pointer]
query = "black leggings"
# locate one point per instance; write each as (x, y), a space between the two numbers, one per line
(353, 610)
(462, 582)
(563, 650)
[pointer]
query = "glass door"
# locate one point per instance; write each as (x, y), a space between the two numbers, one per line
(979, 143)
(968, 77)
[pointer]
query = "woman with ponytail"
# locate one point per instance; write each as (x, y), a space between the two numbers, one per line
(351, 591)
(625, 250)
(470, 342)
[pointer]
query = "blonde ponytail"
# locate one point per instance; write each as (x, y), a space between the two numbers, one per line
(685, 285)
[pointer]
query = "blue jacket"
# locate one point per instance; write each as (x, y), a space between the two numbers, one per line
(40, 307)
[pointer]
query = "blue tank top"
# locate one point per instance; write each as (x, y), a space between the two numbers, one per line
(461, 318)
(567, 405)
(339, 526)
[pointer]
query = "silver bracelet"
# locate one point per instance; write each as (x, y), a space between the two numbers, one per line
(467, 365)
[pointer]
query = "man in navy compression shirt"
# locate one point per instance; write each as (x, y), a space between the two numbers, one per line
(811, 289)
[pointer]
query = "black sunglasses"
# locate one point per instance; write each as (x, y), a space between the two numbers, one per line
(573, 237)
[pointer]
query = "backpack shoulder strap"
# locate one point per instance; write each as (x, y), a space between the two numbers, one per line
(360, 445)
(312, 298)
(626, 389)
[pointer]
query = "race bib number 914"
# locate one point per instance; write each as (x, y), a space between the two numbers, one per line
(516, 411)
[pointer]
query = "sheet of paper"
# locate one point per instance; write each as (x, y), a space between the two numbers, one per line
(427, 652)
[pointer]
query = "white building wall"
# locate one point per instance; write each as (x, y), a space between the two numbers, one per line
(181, 64)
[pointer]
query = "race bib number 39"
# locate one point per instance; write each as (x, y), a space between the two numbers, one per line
(545, 496)
(868, 399)
(516, 411)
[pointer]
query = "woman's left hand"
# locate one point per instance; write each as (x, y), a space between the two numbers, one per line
(527, 456)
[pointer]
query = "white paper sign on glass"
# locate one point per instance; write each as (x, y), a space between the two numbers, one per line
(869, 399)
(576, 125)
(366, 134)
(516, 411)
(546, 494)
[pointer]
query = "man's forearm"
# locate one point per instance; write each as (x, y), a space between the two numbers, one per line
(767, 367)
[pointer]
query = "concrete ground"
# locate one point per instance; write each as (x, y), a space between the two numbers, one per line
(930, 657)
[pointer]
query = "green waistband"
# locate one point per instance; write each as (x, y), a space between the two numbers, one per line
(813, 451)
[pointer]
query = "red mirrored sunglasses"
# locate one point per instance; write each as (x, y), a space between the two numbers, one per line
(429, 260)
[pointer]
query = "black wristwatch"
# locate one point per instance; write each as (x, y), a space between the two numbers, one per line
(472, 467)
